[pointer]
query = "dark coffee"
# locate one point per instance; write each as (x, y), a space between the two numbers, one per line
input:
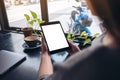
(31, 38)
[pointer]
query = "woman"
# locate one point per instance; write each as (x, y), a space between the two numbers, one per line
(103, 63)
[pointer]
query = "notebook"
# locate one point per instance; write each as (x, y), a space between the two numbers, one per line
(9, 60)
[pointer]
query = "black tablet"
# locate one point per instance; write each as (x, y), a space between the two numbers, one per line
(54, 37)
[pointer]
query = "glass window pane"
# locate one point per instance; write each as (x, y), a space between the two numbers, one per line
(67, 11)
(17, 8)
(61, 10)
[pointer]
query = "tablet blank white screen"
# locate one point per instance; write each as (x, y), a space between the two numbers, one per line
(54, 37)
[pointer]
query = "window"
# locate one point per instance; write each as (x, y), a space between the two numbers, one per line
(12, 12)
(61, 10)
(16, 9)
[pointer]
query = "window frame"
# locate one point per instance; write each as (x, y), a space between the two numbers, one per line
(44, 10)
(3, 16)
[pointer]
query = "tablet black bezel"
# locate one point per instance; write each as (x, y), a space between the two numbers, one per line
(58, 50)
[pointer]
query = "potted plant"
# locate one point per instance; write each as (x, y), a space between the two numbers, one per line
(84, 40)
(32, 21)
(27, 31)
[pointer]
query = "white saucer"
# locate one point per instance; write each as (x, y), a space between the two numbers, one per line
(25, 46)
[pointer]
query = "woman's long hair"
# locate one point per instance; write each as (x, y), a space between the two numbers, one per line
(109, 12)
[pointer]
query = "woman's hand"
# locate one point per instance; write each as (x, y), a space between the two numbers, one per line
(74, 48)
(46, 66)
(44, 47)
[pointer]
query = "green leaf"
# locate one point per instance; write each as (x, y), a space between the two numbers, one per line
(87, 41)
(96, 35)
(34, 20)
(72, 36)
(83, 33)
(86, 35)
(40, 22)
(68, 36)
(34, 15)
(31, 22)
(27, 17)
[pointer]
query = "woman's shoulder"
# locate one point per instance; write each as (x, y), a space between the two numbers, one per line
(101, 51)
(97, 42)
(85, 64)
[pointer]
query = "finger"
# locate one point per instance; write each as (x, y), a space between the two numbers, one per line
(72, 44)
(44, 47)
(42, 43)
